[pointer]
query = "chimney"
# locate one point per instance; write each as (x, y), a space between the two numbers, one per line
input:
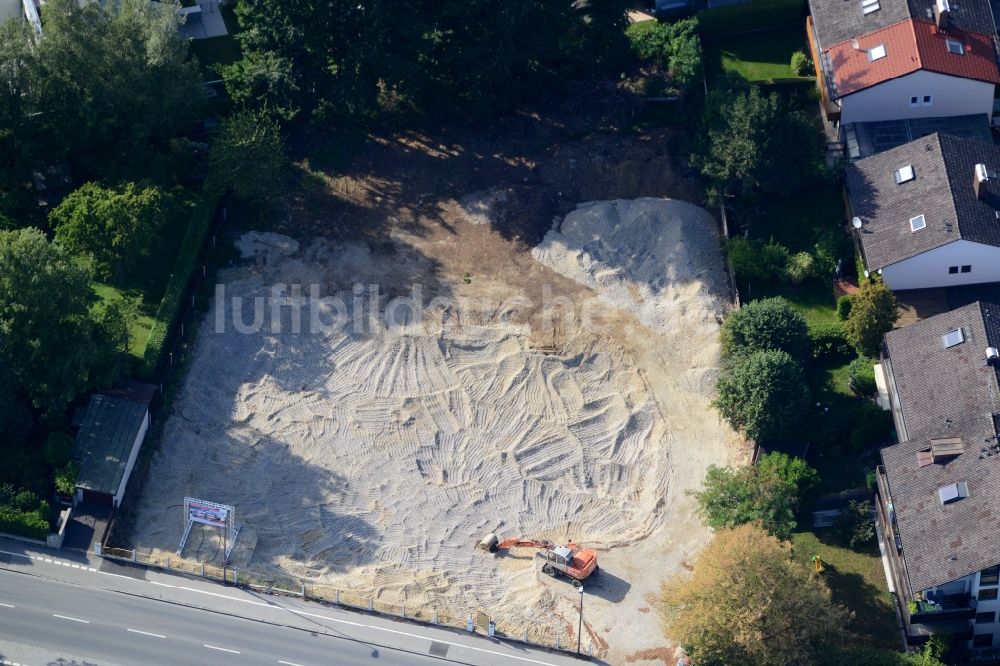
(942, 14)
(982, 176)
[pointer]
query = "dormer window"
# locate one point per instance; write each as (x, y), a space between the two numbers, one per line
(903, 174)
(917, 223)
(955, 46)
(877, 53)
(869, 6)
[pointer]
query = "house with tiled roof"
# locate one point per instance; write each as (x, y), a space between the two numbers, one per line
(927, 214)
(879, 60)
(939, 489)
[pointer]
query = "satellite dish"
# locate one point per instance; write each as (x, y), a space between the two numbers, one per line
(867, 273)
(880, 271)
(855, 44)
(856, 222)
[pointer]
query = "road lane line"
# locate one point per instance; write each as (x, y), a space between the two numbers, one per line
(7, 605)
(161, 584)
(146, 633)
(72, 619)
(288, 663)
(212, 647)
(108, 573)
(226, 596)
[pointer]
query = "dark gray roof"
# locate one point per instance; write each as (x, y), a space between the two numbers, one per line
(942, 191)
(878, 136)
(838, 21)
(946, 393)
(105, 441)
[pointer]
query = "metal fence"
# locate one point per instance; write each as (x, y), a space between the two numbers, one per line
(549, 637)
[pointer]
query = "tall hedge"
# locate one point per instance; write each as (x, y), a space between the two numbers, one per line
(172, 304)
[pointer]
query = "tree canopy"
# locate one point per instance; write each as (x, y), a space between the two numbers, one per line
(755, 143)
(873, 313)
(248, 157)
(768, 493)
(748, 602)
(47, 335)
(674, 47)
(764, 394)
(116, 227)
(767, 323)
(343, 59)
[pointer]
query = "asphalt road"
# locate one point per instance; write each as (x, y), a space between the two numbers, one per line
(95, 626)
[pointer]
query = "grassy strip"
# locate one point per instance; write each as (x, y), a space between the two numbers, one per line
(753, 15)
(758, 57)
(171, 305)
(857, 581)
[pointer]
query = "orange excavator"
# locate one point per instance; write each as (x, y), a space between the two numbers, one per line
(570, 560)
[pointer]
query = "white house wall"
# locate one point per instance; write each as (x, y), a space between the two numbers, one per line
(136, 446)
(930, 269)
(950, 96)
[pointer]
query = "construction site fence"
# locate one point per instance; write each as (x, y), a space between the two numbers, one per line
(535, 635)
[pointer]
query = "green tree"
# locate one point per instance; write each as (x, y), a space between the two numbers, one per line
(248, 157)
(46, 333)
(767, 323)
(754, 143)
(768, 493)
(674, 47)
(873, 313)
(855, 525)
(748, 602)
(116, 227)
(112, 82)
(763, 394)
(113, 321)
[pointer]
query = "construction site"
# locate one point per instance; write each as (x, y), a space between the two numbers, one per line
(488, 382)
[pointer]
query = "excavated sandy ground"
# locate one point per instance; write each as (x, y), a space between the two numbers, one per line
(373, 457)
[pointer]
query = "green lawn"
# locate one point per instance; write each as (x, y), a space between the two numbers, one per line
(814, 299)
(150, 280)
(857, 581)
(761, 57)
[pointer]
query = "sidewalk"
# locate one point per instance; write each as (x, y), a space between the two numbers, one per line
(93, 572)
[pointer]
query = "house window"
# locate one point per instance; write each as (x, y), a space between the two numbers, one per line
(926, 100)
(877, 53)
(982, 640)
(917, 223)
(953, 270)
(869, 6)
(955, 46)
(952, 338)
(986, 618)
(914, 101)
(988, 595)
(903, 174)
(966, 269)
(989, 576)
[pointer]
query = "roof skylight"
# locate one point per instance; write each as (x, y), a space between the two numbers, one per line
(903, 174)
(877, 52)
(952, 338)
(869, 6)
(917, 223)
(953, 492)
(955, 46)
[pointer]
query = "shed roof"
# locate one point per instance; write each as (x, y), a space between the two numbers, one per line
(105, 441)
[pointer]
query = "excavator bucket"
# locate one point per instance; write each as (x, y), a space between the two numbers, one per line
(489, 543)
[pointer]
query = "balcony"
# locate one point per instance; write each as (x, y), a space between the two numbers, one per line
(831, 111)
(952, 608)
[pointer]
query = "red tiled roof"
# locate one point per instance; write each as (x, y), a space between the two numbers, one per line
(910, 46)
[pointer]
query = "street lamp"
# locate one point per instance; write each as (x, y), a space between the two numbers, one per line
(579, 630)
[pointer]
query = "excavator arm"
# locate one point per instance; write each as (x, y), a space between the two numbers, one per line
(522, 543)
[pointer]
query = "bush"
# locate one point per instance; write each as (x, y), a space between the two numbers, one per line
(768, 323)
(673, 46)
(172, 305)
(57, 449)
(800, 267)
(764, 394)
(861, 375)
(801, 64)
(871, 426)
(22, 513)
(855, 525)
(873, 313)
(844, 304)
(829, 343)
(757, 261)
(66, 478)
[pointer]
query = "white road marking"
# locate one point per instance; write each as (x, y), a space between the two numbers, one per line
(226, 596)
(73, 619)
(212, 647)
(161, 584)
(146, 633)
(288, 663)
(108, 573)
(7, 605)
